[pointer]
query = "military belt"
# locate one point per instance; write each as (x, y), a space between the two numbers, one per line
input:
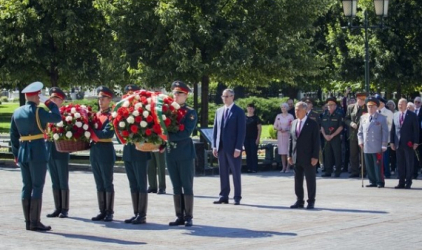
(105, 140)
(32, 137)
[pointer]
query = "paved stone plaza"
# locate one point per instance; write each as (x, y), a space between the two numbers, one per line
(347, 216)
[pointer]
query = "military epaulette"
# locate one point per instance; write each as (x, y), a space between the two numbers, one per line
(187, 107)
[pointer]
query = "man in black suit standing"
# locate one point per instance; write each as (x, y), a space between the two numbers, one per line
(418, 112)
(228, 137)
(404, 139)
(303, 153)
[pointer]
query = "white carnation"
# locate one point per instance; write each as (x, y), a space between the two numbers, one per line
(138, 105)
(143, 124)
(125, 104)
(56, 137)
(87, 134)
(73, 110)
(162, 95)
(77, 115)
(175, 105)
(85, 127)
(114, 114)
(148, 107)
(145, 114)
(135, 113)
(60, 124)
(149, 99)
(83, 106)
(69, 118)
(69, 134)
(95, 125)
(164, 117)
(130, 120)
(78, 124)
(122, 124)
(137, 97)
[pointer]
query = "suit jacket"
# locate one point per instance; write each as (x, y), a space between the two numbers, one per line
(353, 114)
(373, 134)
(230, 132)
(419, 115)
(301, 149)
(408, 132)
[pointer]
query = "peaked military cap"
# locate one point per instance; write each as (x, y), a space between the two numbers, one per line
(372, 101)
(103, 91)
(131, 87)
(308, 99)
(33, 89)
(379, 97)
(180, 86)
(361, 94)
(57, 92)
(331, 99)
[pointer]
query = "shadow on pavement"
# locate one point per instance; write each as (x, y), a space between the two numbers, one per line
(99, 239)
(230, 232)
(345, 210)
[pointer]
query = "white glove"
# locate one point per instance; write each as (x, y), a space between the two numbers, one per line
(43, 98)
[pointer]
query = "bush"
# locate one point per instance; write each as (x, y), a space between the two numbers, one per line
(272, 132)
(3, 99)
(265, 108)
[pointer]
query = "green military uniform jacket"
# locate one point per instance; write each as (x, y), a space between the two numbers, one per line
(314, 116)
(331, 122)
(353, 114)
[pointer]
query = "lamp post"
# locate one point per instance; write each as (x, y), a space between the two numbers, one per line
(381, 10)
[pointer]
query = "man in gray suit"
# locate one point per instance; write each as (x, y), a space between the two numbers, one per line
(373, 139)
(404, 139)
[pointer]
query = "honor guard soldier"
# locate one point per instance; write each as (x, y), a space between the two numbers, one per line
(373, 139)
(28, 146)
(352, 118)
(136, 163)
(102, 156)
(58, 166)
(180, 158)
(331, 127)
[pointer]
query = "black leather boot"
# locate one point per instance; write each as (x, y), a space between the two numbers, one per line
(26, 204)
(101, 205)
(188, 210)
(135, 198)
(65, 203)
(178, 207)
(109, 206)
(35, 214)
(57, 204)
(142, 208)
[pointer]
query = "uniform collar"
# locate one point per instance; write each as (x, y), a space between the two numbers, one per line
(105, 111)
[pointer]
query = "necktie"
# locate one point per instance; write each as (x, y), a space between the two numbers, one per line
(379, 111)
(370, 118)
(226, 114)
(298, 128)
(401, 118)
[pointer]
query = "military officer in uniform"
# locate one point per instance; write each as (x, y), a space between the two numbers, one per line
(28, 146)
(102, 156)
(136, 163)
(157, 167)
(180, 158)
(352, 118)
(373, 139)
(331, 128)
(58, 166)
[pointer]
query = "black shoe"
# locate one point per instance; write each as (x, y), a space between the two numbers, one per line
(161, 191)
(188, 223)
(345, 170)
(56, 213)
(108, 217)
(99, 217)
(380, 186)
(177, 222)
(236, 202)
(221, 201)
(152, 190)
(139, 220)
(337, 175)
(297, 205)
(326, 175)
(311, 205)
(39, 227)
(407, 187)
(353, 175)
(131, 219)
(399, 187)
(253, 171)
(370, 185)
(63, 214)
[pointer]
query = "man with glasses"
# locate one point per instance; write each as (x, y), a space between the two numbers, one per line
(228, 138)
(418, 112)
(352, 118)
(331, 128)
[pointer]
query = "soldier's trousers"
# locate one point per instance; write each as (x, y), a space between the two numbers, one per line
(59, 173)
(373, 169)
(33, 178)
(332, 153)
(136, 172)
(157, 165)
(181, 175)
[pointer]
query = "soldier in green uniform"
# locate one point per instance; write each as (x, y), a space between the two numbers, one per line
(180, 158)
(58, 166)
(102, 156)
(136, 163)
(352, 118)
(157, 166)
(28, 146)
(331, 128)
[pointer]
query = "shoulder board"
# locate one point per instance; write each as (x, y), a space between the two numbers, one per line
(187, 107)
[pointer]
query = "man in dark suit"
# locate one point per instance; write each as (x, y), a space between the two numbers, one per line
(404, 139)
(418, 112)
(228, 138)
(303, 152)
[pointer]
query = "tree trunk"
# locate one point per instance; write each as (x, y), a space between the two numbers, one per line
(22, 99)
(205, 82)
(195, 101)
(54, 75)
(398, 95)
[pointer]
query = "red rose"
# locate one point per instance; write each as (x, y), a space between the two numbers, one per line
(165, 108)
(410, 144)
(171, 108)
(140, 110)
(131, 109)
(138, 119)
(148, 132)
(181, 127)
(149, 119)
(134, 129)
(167, 122)
(125, 133)
(157, 128)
